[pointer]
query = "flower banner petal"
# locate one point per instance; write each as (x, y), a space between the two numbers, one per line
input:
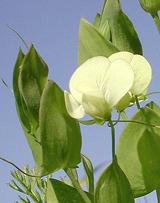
(118, 82)
(125, 55)
(142, 74)
(88, 77)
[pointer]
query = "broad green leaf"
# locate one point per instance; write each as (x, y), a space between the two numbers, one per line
(123, 34)
(32, 78)
(92, 43)
(59, 192)
(89, 173)
(20, 104)
(139, 149)
(59, 133)
(113, 186)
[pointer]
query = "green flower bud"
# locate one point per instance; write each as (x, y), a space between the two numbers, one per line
(151, 6)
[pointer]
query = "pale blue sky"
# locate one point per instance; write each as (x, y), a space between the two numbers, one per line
(52, 26)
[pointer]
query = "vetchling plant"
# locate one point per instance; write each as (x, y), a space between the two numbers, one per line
(112, 76)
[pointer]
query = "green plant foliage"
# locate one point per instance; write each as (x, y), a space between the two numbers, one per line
(151, 6)
(20, 104)
(23, 112)
(53, 136)
(123, 34)
(60, 134)
(33, 188)
(92, 43)
(89, 173)
(113, 186)
(97, 20)
(31, 81)
(138, 151)
(59, 192)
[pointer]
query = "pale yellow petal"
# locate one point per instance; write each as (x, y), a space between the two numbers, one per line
(118, 81)
(124, 55)
(88, 77)
(142, 74)
(74, 109)
(96, 107)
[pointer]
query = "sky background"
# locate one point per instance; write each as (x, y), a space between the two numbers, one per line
(52, 26)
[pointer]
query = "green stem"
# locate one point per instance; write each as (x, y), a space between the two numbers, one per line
(137, 103)
(113, 138)
(156, 20)
(124, 116)
(158, 194)
(138, 122)
(77, 185)
(152, 93)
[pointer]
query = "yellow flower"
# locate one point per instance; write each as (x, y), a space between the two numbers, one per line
(101, 83)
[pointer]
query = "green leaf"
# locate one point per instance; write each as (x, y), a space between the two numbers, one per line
(24, 200)
(24, 114)
(32, 78)
(105, 30)
(138, 151)
(59, 192)
(59, 133)
(89, 173)
(113, 186)
(20, 104)
(123, 34)
(92, 43)
(97, 19)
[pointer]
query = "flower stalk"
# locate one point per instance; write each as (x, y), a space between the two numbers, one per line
(113, 138)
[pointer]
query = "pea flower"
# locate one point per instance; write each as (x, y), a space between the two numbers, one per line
(100, 84)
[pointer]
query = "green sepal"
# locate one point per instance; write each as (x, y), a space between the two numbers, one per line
(113, 186)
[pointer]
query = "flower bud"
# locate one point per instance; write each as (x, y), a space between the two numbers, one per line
(150, 6)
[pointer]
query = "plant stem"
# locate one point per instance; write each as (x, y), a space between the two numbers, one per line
(138, 122)
(152, 93)
(137, 102)
(158, 194)
(113, 138)
(124, 116)
(77, 185)
(156, 20)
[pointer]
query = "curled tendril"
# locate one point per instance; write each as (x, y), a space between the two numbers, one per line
(11, 163)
